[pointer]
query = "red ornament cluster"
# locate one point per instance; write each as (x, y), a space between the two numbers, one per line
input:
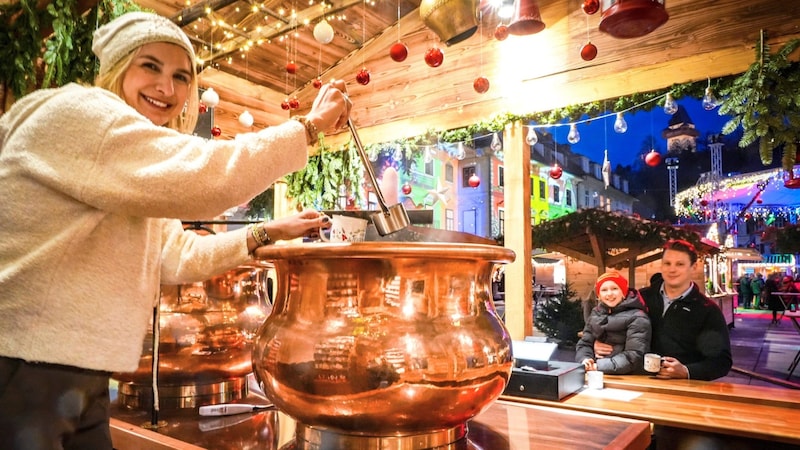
(292, 103)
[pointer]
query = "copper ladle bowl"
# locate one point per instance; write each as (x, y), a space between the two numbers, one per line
(383, 338)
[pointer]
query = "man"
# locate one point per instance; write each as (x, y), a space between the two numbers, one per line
(689, 330)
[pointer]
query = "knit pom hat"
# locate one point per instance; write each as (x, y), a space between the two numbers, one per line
(614, 276)
(130, 31)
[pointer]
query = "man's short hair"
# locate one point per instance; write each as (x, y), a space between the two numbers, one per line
(684, 246)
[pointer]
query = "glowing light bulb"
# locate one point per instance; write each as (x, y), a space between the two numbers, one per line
(709, 100)
(532, 138)
(573, 137)
(620, 126)
(670, 106)
(428, 155)
(461, 152)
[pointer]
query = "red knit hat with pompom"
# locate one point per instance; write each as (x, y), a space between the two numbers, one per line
(614, 276)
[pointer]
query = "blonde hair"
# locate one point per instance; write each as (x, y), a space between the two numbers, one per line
(185, 122)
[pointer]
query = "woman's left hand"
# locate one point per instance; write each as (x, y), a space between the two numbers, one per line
(306, 223)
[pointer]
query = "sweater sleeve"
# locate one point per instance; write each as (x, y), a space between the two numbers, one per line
(110, 157)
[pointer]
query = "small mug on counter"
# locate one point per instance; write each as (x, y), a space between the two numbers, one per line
(652, 362)
(345, 229)
(594, 379)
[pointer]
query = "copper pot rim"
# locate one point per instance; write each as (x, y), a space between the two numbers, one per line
(381, 250)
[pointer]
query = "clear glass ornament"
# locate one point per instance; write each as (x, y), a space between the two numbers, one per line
(496, 144)
(532, 138)
(670, 106)
(574, 136)
(620, 126)
(709, 100)
(460, 152)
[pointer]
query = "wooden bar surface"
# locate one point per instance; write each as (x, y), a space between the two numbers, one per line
(755, 412)
(503, 426)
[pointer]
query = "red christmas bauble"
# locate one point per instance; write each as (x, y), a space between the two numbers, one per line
(406, 188)
(481, 85)
(703, 202)
(363, 76)
(501, 32)
(556, 172)
(398, 52)
(317, 83)
(294, 103)
(285, 104)
(588, 52)
(474, 180)
(291, 67)
(590, 6)
(203, 108)
(653, 158)
(215, 131)
(434, 57)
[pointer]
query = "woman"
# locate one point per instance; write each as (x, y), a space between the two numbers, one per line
(94, 181)
(620, 320)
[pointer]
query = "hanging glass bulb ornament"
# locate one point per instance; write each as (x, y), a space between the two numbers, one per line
(317, 83)
(428, 155)
(474, 180)
(590, 6)
(653, 158)
(291, 67)
(497, 144)
(620, 126)
(434, 57)
(398, 52)
(481, 85)
(406, 188)
(294, 103)
(210, 98)
(363, 76)
(556, 172)
(574, 136)
(501, 32)
(216, 131)
(670, 106)
(499, 155)
(460, 152)
(709, 100)
(531, 138)
(323, 32)
(285, 104)
(397, 155)
(589, 52)
(246, 119)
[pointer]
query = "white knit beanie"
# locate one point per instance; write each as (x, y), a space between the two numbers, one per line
(130, 31)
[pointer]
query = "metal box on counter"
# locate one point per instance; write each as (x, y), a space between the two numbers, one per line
(535, 376)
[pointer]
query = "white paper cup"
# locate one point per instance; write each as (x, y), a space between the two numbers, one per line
(652, 362)
(594, 379)
(345, 229)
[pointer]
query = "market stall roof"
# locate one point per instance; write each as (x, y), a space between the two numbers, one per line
(606, 239)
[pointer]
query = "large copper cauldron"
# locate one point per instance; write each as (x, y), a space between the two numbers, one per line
(374, 339)
(205, 339)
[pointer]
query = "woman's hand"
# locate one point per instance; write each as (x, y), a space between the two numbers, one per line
(331, 109)
(306, 223)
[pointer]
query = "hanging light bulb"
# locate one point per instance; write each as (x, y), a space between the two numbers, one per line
(210, 98)
(461, 152)
(532, 138)
(573, 137)
(506, 9)
(428, 155)
(709, 100)
(497, 144)
(620, 126)
(398, 153)
(670, 106)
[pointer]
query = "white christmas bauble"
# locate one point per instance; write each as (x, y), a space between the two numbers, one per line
(210, 98)
(246, 119)
(323, 32)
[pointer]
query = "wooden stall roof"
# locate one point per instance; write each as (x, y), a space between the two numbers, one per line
(606, 239)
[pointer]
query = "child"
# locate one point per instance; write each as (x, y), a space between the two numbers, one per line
(620, 319)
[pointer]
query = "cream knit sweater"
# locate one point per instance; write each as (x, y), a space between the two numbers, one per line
(86, 183)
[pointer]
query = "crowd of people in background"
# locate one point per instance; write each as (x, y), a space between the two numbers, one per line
(755, 291)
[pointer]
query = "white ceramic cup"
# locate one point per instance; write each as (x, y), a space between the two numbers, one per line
(652, 362)
(345, 229)
(594, 379)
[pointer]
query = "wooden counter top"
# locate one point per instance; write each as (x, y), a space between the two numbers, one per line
(737, 410)
(503, 426)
